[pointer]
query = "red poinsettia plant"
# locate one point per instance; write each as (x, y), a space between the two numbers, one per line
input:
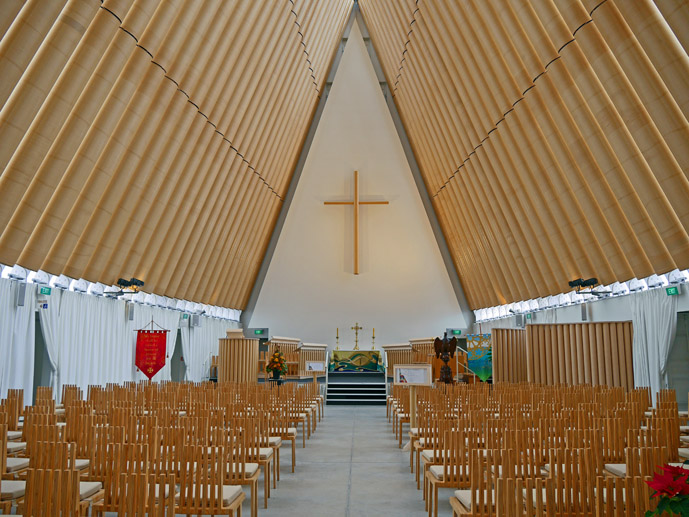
(671, 486)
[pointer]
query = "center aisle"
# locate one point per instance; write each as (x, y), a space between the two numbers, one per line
(350, 467)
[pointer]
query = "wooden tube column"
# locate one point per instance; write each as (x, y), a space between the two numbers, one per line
(238, 357)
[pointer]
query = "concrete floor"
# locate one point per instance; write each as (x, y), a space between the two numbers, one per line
(350, 467)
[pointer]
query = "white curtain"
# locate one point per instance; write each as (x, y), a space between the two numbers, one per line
(547, 316)
(200, 343)
(50, 325)
(168, 320)
(17, 339)
(654, 317)
(92, 342)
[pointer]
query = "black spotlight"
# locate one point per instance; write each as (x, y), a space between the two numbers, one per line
(576, 283)
(136, 282)
(123, 283)
(591, 282)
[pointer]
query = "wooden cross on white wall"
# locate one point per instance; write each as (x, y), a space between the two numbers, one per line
(356, 204)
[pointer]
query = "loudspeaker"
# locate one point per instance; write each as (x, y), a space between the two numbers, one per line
(584, 312)
(20, 294)
(520, 321)
(129, 310)
(195, 320)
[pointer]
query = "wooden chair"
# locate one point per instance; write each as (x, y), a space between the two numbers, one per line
(573, 476)
(623, 497)
(10, 490)
(202, 488)
(454, 471)
(238, 469)
(130, 458)
(525, 498)
(640, 461)
(51, 493)
(284, 431)
(251, 430)
(61, 456)
(10, 467)
(485, 467)
(140, 495)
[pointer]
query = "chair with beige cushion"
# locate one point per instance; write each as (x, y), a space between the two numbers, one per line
(140, 495)
(201, 484)
(238, 469)
(11, 490)
(120, 458)
(52, 492)
(452, 472)
(251, 429)
(10, 467)
(623, 497)
(485, 467)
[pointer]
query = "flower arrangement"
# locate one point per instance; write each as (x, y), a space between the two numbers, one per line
(672, 487)
(277, 363)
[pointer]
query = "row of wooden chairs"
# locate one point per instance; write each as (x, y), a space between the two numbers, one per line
(523, 431)
(246, 424)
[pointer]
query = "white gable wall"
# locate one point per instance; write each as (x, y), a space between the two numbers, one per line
(403, 289)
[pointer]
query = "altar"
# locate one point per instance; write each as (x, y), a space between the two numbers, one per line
(355, 361)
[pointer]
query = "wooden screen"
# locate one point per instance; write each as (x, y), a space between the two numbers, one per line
(580, 353)
(290, 349)
(310, 355)
(509, 355)
(399, 356)
(237, 360)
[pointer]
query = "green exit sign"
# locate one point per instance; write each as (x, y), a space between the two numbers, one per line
(672, 291)
(185, 316)
(456, 332)
(528, 316)
(258, 331)
(46, 291)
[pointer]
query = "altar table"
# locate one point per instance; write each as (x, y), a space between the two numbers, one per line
(355, 361)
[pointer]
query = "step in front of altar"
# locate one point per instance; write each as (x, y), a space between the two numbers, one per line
(356, 389)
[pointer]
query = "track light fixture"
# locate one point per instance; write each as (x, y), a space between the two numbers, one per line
(133, 284)
(588, 284)
(591, 282)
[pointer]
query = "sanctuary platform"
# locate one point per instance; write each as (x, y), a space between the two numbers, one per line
(356, 388)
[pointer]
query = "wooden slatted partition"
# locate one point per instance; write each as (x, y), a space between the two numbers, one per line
(289, 346)
(579, 353)
(397, 354)
(237, 358)
(509, 355)
(312, 352)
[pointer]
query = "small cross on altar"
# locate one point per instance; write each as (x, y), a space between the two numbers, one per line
(356, 330)
(356, 204)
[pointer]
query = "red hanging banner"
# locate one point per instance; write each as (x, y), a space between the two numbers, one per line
(150, 351)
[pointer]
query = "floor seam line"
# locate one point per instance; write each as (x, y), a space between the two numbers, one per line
(351, 457)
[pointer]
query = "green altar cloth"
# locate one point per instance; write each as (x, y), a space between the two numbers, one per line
(355, 361)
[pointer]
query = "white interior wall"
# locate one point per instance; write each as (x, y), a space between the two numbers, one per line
(403, 290)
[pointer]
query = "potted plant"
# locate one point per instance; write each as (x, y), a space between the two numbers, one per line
(672, 488)
(277, 364)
